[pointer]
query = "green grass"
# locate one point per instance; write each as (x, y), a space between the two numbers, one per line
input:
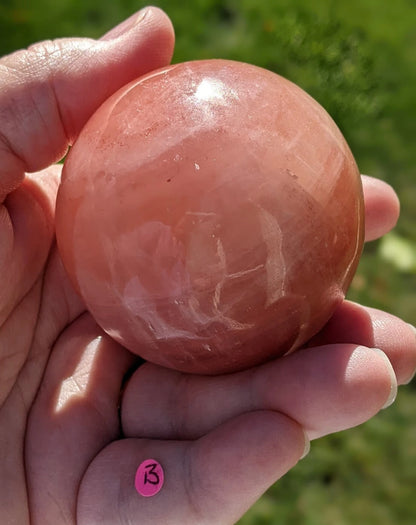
(366, 476)
(358, 59)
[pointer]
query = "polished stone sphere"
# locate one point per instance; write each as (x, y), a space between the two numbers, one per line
(211, 216)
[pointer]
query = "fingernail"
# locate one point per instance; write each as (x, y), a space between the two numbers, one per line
(307, 447)
(413, 328)
(126, 25)
(412, 376)
(393, 380)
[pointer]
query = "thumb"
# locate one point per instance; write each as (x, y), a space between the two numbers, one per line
(48, 91)
(215, 479)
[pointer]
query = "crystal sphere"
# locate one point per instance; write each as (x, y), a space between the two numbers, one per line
(211, 216)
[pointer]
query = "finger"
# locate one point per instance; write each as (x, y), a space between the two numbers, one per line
(50, 90)
(325, 389)
(212, 480)
(26, 234)
(74, 416)
(382, 207)
(353, 323)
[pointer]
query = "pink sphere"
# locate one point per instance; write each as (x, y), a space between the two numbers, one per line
(211, 216)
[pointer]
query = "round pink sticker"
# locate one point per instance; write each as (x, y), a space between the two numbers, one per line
(149, 478)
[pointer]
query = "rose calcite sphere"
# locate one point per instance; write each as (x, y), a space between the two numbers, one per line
(210, 215)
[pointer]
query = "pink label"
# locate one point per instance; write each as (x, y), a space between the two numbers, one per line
(149, 478)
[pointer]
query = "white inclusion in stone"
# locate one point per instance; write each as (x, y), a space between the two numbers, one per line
(143, 306)
(275, 263)
(162, 260)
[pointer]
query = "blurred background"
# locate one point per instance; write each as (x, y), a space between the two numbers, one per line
(358, 59)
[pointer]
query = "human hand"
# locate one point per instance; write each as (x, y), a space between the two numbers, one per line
(77, 416)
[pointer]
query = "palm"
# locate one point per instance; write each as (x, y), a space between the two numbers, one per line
(36, 306)
(73, 428)
(74, 401)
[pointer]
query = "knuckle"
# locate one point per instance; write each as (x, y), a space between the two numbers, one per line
(30, 122)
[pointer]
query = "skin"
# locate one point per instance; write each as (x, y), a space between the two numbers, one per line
(73, 429)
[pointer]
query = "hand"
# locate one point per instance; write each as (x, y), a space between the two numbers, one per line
(77, 415)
